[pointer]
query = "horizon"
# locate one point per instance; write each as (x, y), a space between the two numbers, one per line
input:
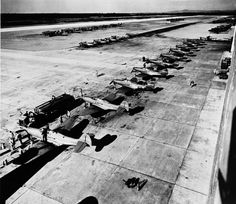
(114, 6)
(164, 12)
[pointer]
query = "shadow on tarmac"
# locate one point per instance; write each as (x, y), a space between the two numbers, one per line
(89, 200)
(104, 141)
(12, 181)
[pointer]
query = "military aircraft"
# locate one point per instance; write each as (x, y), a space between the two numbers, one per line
(100, 41)
(160, 63)
(196, 41)
(62, 133)
(115, 37)
(207, 38)
(151, 66)
(172, 58)
(134, 84)
(105, 105)
(185, 48)
(192, 45)
(119, 38)
(97, 107)
(59, 139)
(150, 73)
(181, 53)
(110, 39)
(87, 44)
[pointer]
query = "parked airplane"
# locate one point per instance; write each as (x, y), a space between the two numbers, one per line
(197, 41)
(190, 44)
(137, 85)
(100, 41)
(181, 53)
(150, 73)
(160, 63)
(57, 138)
(185, 48)
(98, 107)
(87, 44)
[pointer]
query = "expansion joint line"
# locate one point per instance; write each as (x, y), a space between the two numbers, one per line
(119, 166)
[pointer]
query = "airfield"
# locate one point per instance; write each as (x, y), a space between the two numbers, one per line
(171, 141)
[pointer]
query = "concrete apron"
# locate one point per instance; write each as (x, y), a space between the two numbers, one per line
(171, 143)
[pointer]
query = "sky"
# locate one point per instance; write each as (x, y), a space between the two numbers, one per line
(110, 6)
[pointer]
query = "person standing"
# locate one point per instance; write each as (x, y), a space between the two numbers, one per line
(12, 141)
(19, 137)
(45, 132)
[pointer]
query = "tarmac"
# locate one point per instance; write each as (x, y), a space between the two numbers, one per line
(171, 142)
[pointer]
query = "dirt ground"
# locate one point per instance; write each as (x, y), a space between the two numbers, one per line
(171, 142)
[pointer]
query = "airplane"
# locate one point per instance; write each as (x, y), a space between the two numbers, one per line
(97, 107)
(87, 44)
(196, 41)
(150, 73)
(100, 41)
(185, 48)
(64, 133)
(109, 40)
(151, 66)
(172, 58)
(190, 44)
(138, 85)
(119, 38)
(207, 38)
(160, 63)
(181, 53)
(105, 105)
(59, 139)
(192, 48)
(115, 37)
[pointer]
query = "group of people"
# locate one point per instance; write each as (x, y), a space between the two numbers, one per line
(29, 118)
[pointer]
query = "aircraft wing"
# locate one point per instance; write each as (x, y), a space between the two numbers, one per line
(114, 99)
(89, 111)
(95, 111)
(67, 124)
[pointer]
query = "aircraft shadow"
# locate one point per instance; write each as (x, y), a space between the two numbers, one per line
(104, 141)
(76, 131)
(89, 200)
(136, 110)
(11, 182)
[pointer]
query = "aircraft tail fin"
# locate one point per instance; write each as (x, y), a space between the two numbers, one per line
(125, 105)
(80, 146)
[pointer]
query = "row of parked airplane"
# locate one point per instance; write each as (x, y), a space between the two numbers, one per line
(107, 40)
(97, 107)
(158, 67)
(220, 28)
(67, 31)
